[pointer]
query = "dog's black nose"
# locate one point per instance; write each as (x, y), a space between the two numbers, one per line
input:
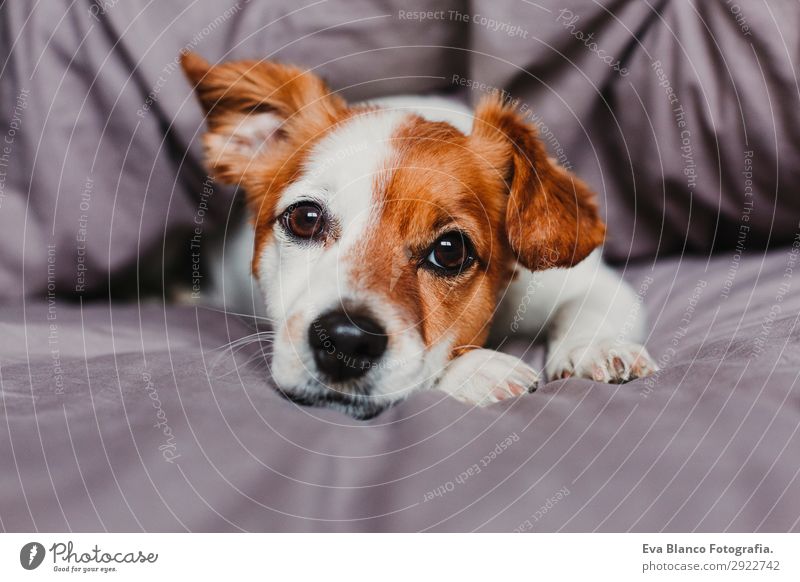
(346, 345)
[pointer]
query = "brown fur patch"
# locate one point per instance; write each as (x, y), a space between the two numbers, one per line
(435, 184)
(552, 219)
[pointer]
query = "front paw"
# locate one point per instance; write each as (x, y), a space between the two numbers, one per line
(486, 376)
(601, 361)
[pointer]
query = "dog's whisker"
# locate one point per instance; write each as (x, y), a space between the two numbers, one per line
(232, 353)
(228, 312)
(262, 357)
(244, 340)
(230, 350)
(235, 349)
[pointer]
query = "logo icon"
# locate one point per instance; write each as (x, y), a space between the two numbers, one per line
(31, 555)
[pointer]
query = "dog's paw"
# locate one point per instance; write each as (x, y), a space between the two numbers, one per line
(485, 376)
(602, 361)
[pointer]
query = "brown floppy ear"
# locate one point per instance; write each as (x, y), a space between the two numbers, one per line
(551, 217)
(252, 106)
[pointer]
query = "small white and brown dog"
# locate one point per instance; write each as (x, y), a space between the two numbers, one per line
(387, 237)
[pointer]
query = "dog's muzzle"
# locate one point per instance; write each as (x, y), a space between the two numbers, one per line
(346, 345)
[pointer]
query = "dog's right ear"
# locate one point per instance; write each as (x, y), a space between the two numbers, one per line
(252, 106)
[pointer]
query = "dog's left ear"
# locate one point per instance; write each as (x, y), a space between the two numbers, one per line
(551, 217)
(252, 107)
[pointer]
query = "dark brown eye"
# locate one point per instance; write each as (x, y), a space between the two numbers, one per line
(304, 220)
(451, 253)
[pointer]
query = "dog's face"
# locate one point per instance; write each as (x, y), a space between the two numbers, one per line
(383, 240)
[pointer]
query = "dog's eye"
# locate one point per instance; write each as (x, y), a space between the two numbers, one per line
(451, 253)
(304, 220)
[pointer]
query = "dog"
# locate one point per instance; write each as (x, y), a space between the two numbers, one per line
(390, 238)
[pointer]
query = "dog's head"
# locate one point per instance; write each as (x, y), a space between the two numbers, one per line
(383, 240)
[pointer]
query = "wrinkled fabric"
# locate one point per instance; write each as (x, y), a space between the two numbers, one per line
(679, 114)
(132, 418)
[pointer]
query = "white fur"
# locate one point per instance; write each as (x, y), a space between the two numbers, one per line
(252, 134)
(302, 282)
(590, 315)
(486, 376)
(587, 306)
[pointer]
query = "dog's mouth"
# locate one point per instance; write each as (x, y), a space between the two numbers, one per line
(359, 406)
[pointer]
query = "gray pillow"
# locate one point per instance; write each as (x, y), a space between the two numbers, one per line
(680, 115)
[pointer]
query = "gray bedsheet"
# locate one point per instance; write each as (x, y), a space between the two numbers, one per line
(153, 430)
